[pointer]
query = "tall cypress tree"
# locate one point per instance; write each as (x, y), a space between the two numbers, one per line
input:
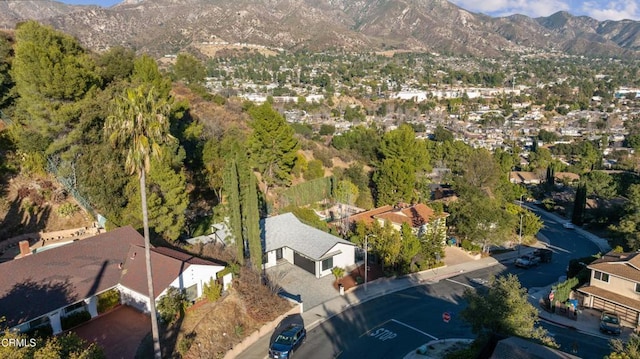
(251, 216)
(579, 205)
(551, 176)
(232, 187)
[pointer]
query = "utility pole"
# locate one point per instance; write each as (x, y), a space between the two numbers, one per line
(366, 259)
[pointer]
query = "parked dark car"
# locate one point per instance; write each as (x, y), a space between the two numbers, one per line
(610, 323)
(287, 341)
(544, 255)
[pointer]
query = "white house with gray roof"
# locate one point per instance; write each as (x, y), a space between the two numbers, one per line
(286, 238)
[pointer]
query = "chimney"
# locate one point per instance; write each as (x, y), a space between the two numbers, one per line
(24, 249)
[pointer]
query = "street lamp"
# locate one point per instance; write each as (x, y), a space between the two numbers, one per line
(520, 233)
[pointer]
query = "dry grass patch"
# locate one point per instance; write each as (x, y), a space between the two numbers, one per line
(209, 330)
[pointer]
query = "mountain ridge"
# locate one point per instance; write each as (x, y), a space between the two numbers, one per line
(169, 26)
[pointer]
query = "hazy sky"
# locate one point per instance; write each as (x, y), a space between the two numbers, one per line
(598, 9)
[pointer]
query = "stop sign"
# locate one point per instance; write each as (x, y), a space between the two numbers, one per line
(446, 317)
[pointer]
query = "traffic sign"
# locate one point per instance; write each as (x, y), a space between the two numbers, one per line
(446, 317)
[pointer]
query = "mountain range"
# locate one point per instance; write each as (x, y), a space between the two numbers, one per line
(169, 26)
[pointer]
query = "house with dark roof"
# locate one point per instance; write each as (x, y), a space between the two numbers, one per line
(284, 237)
(614, 286)
(420, 217)
(40, 289)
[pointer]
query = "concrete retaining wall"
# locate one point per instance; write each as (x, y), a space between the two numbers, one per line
(264, 330)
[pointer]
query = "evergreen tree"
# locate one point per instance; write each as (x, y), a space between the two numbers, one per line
(6, 81)
(189, 69)
(168, 200)
(403, 158)
(579, 205)
(232, 189)
(52, 75)
(550, 177)
(394, 182)
(272, 147)
(251, 216)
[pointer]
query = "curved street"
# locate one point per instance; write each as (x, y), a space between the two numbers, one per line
(392, 325)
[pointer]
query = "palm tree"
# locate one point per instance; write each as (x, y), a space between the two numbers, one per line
(140, 124)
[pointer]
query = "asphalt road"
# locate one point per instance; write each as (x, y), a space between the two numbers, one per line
(395, 324)
(567, 244)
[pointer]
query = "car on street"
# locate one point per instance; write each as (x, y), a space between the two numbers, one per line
(568, 225)
(527, 261)
(287, 341)
(610, 323)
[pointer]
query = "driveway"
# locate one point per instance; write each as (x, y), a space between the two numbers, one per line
(300, 284)
(119, 332)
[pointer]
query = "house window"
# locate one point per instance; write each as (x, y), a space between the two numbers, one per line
(601, 276)
(192, 293)
(637, 287)
(74, 307)
(37, 323)
(327, 264)
(278, 253)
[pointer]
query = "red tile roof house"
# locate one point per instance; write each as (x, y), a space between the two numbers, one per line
(40, 289)
(420, 217)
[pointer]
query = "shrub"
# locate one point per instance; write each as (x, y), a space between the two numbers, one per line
(469, 246)
(314, 170)
(184, 344)
(212, 290)
(171, 304)
(338, 272)
(108, 300)
(41, 332)
(67, 209)
(74, 319)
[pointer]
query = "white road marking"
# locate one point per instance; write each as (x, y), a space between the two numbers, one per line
(464, 284)
(416, 329)
(557, 248)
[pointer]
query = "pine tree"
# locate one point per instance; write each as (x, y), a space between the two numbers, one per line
(52, 75)
(272, 147)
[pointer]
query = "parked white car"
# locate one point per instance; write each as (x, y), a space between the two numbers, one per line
(527, 261)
